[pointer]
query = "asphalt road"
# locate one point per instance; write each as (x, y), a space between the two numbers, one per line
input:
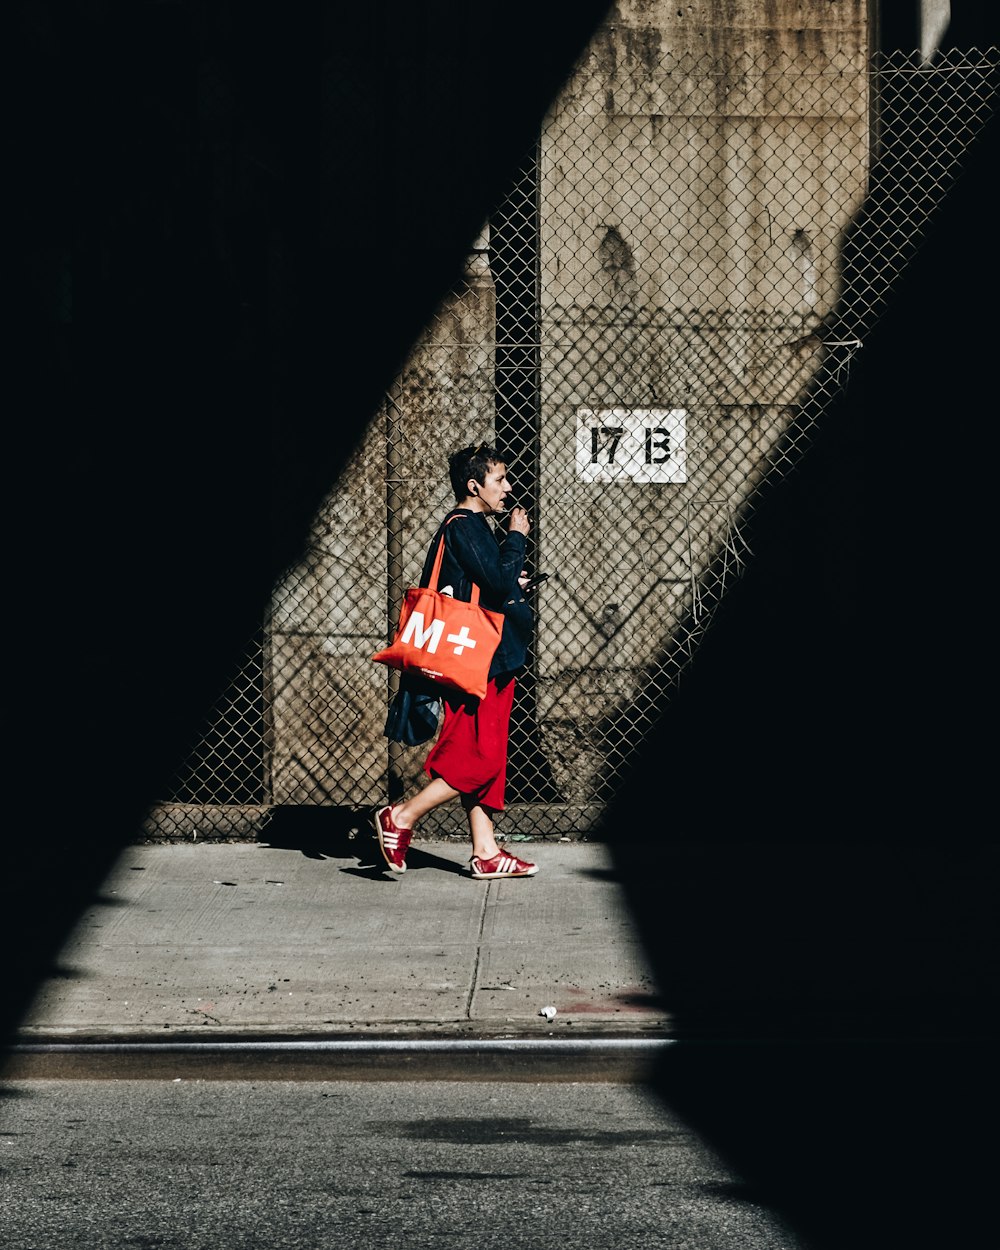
(229, 1165)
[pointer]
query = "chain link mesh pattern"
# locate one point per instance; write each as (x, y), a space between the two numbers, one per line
(652, 326)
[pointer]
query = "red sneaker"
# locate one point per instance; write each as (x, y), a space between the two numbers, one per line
(501, 865)
(392, 840)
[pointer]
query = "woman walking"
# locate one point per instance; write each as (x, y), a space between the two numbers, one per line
(469, 759)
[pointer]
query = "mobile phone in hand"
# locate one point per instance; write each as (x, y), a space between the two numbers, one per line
(535, 580)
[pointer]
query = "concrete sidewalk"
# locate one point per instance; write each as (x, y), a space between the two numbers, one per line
(212, 942)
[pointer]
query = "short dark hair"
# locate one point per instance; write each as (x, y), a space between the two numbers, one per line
(471, 462)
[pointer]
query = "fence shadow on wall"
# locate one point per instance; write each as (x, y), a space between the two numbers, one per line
(819, 914)
(828, 522)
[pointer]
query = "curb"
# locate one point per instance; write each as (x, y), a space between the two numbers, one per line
(616, 1060)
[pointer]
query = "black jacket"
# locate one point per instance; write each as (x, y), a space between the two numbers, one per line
(472, 554)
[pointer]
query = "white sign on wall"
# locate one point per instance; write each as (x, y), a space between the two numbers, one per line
(637, 444)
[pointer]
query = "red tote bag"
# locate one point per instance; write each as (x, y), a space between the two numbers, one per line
(442, 639)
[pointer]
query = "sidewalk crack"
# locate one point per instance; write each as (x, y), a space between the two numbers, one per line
(479, 952)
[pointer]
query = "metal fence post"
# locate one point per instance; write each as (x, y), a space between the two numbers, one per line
(394, 558)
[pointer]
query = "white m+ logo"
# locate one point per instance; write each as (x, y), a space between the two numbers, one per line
(461, 640)
(428, 639)
(423, 639)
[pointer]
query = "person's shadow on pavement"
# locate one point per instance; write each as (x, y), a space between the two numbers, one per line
(318, 832)
(373, 866)
(343, 833)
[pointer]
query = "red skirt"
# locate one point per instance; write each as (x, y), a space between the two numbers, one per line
(471, 751)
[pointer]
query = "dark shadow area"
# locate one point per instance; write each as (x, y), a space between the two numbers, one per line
(854, 1145)
(318, 832)
(231, 221)
(342, 833)
(372, 866)
(816, 891)
(418, 858)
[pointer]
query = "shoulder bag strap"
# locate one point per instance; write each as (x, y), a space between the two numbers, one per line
(436, 570)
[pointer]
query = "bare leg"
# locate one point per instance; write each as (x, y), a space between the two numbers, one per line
(484, 842)
(406, 814)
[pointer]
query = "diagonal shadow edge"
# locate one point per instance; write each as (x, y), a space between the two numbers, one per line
(815, 881)
(191, 405)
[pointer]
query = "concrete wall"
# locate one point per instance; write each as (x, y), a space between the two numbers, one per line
(697, 175)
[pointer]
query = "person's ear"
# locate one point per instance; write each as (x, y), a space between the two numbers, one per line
(473, 486)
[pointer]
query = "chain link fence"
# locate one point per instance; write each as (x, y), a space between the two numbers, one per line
(652, 325)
